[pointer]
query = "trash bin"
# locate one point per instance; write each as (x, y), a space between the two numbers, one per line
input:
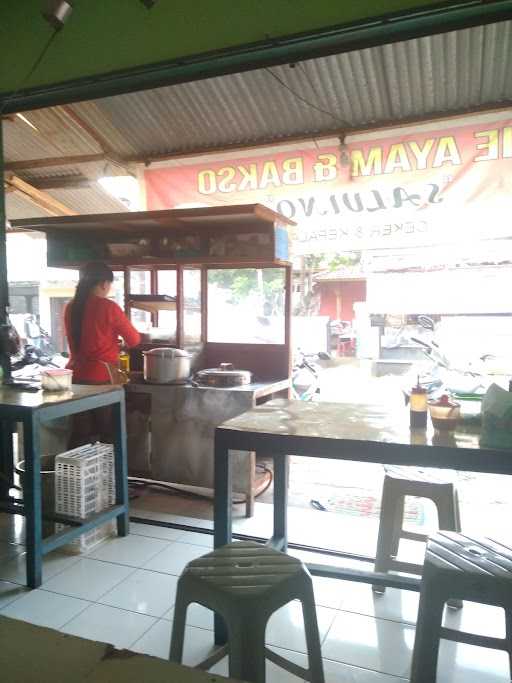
(47, 489)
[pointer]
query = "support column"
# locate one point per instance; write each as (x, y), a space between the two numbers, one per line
(5, 360)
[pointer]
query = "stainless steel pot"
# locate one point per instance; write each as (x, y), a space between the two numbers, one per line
(166, 365)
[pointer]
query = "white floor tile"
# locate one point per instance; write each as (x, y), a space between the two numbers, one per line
(484, 620)
(335, 672)
(285, 627)
(109, 625)
(198, 643)
(131, 550)
(88, 579)
(53, 564)
(45, 609)
(377, 644)
(467, 664)
(153, 531)
(197, 616)
(195, 538)
(274, 673)
(174, 558)
(9, 592)
(394, 604)
(328, 592)
(146, 592)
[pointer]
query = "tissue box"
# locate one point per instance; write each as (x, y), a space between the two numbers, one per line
(496, 418)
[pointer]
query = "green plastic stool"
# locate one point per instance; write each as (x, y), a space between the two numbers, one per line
(246, 583)
(463, 568)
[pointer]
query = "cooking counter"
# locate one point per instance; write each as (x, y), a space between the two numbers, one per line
(182, 421)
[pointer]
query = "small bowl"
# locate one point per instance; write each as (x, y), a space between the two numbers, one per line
(445, 417)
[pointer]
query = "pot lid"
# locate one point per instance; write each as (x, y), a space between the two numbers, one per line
(167, 352)
(221, 372)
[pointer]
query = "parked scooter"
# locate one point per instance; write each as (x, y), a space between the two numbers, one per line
(443, 374)
(306, 375)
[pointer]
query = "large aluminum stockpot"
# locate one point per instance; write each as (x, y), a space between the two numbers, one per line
(166, 365)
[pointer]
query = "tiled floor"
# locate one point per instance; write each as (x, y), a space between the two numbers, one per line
(123, 593)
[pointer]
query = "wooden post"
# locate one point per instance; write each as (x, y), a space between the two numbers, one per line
(5, 359)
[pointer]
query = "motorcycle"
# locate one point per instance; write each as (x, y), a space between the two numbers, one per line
(306, 375)
(443, 375)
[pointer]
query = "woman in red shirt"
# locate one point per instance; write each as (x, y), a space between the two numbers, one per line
(93, 325)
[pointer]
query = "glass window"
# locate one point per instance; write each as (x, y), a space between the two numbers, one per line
(140, 283)
(191, 305)
(117, 291)
(246, 305)
(167, 283)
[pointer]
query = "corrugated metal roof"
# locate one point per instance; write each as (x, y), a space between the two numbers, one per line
(84, 200)
(56, 135)
(18, 207)
(435, 75)
(88, 200)
(438, 74)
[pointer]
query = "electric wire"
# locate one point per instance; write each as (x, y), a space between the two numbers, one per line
(304, 100)
(30, 73)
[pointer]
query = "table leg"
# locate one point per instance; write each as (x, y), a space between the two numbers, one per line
(32, 500)
(121, 466)
(222, 515)
(281, 468)
(6, 458)
(251, 482)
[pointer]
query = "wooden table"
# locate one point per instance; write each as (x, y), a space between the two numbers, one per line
(32, 410)
(34, 654)
(362, 433)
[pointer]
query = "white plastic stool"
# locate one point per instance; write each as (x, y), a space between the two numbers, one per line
(436, 485)
(246, 583)
(464, 568)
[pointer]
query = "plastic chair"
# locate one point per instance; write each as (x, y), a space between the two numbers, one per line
(436, 485)
(462, 568)
(246, 583)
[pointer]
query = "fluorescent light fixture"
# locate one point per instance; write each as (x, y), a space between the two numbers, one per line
(29, 123)
(124, 188)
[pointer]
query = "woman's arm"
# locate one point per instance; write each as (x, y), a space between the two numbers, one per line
(124, 328)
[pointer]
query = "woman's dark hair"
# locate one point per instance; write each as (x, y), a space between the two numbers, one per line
(92, 274)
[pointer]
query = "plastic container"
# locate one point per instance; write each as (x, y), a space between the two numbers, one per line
(56, 380)
(444, 413)
(84, 485)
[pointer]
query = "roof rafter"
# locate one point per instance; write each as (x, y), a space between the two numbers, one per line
(39, 198)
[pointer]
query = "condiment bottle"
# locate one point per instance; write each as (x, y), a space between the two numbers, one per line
(418, 407)
(124, 362)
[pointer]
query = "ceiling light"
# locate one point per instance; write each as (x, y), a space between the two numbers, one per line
(124, 188)
(57, 12)
(29, 123)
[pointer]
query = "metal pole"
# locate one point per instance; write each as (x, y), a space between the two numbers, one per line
(5, 360)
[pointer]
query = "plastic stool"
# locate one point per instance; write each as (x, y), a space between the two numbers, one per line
(246, 583)
(436, 485)
(463, 568)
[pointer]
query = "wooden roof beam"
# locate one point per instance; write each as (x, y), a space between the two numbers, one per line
(110, 154)
(37, 197)
(47, 162)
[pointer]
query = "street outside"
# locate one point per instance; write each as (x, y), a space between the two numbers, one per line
(352, 491)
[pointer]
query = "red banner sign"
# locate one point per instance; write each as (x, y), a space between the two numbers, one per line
(430, 184)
